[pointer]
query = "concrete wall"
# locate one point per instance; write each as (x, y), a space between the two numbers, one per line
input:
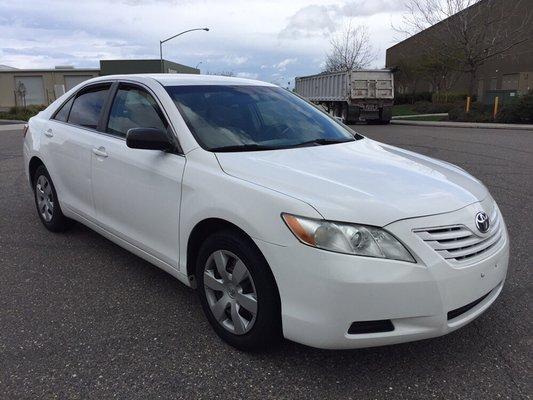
(49, 78)
(52, 81)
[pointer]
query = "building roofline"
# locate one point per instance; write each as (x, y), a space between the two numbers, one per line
(18, 70)
(437, 24)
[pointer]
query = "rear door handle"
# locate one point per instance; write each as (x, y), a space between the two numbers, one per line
(100, 151)
(49, 132)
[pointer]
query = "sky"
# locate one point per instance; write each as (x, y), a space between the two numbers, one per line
(270, 40)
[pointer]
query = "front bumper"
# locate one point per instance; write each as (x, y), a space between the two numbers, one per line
(323, 293)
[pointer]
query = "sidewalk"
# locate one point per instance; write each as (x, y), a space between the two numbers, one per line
(11, 127)
(450, 124)
(10, 122)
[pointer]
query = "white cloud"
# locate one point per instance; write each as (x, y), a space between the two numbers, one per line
(312, 20)
(235, 60)
(282, 65)
(245, 35)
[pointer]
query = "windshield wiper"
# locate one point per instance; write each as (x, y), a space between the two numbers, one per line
(322, 141)
(242, 147)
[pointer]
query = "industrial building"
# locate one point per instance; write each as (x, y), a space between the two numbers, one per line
(506, 75)
(23, 87)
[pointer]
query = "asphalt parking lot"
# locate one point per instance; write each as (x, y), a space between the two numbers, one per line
(81, 318)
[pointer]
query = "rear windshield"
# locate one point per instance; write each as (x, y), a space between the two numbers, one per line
(254, 118)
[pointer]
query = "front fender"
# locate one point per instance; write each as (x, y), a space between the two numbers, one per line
(208, 192)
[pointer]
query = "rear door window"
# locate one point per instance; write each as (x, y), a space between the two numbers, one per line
(133, 107)
(88, 106)
(62, 114)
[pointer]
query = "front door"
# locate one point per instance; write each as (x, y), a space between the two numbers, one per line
(137, 192)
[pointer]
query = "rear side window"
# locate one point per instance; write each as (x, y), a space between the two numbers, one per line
(87, 106)
(134, 108)
(62, 114)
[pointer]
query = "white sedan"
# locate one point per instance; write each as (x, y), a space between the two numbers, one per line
(286, 222)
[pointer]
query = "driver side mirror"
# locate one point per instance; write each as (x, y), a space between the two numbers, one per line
(148, 139)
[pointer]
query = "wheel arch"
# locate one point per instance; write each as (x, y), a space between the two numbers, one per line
(205, 228)
(35, 162)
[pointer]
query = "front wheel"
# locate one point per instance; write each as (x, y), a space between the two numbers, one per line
(238, 292)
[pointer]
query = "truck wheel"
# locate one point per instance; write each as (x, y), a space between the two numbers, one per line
(344, 115)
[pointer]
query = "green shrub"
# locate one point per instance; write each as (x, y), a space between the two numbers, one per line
(518, 111)
(478, 113)
(450, 97)
(21, 113)
(410, 98)
(427, 107)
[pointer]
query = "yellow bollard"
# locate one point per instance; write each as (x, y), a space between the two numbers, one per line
(496, 104)
(468, 100)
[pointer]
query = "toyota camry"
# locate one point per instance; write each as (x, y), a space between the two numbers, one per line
(286, 222)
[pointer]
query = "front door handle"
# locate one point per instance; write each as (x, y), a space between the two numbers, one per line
(49, 132)
(100, 151)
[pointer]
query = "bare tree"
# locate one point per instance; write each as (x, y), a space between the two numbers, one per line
(477, 32)
(350, 49)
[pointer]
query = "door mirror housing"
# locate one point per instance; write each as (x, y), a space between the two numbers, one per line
(148, 139)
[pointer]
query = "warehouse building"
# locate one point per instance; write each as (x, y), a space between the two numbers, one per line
(506, 75)
(23, 87)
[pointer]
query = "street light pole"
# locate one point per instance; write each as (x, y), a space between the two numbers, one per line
(172, 37)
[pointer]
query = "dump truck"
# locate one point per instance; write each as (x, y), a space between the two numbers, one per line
(358, 95)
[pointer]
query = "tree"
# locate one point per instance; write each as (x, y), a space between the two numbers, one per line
(440, 71)
(350, 49)
(467, 32)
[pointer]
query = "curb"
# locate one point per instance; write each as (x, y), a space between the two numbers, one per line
(11, 122)
(419, 115)
(10, 127)
(477, 125)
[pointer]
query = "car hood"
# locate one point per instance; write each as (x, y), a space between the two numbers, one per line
(362, 181)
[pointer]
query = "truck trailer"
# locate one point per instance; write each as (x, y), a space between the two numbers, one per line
(358, 95)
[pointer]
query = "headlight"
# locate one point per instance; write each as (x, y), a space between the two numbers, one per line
(360, 240)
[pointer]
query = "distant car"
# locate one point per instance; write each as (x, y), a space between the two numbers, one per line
(285, 221)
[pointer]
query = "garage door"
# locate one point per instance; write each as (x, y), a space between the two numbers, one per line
(29, 90)
(73, 80)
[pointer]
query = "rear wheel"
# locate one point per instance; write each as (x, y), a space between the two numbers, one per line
(237, 291)
(47, 203)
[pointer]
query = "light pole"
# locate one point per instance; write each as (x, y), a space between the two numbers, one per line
(172, 37)
(197, 65)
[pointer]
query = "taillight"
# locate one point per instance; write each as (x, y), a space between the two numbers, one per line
(25, 130)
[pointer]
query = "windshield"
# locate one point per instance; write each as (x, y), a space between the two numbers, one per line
(244, 118)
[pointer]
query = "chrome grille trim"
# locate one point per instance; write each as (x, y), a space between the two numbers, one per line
(458, 243)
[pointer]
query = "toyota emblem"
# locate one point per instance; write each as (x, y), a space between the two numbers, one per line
(482, 222)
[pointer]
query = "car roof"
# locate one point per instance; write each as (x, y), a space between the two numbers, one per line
(189, 79)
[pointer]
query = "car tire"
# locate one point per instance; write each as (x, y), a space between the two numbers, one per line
(227, 296)
(47, 203)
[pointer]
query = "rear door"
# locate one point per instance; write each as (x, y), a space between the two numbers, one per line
(68, 142)
(137, 192)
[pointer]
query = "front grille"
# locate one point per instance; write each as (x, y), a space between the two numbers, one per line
(457, 243)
